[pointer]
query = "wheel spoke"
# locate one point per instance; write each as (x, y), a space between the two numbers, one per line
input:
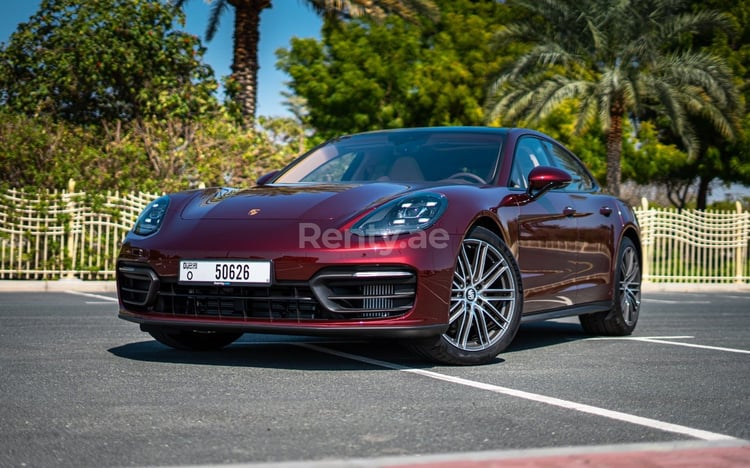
(494, 314)
(477, 267)
(464, 329)
(505, 294)
(483, 334)
(627, 312)
(461, 273)
(631, 304)
(457, 308)
(498, 270)
(627, 265)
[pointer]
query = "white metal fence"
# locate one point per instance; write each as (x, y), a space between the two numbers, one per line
(68, 234)
(691, 246)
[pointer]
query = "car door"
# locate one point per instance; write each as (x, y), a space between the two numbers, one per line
(594, 214)
(547, 235)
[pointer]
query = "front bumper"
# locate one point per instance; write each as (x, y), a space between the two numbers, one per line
(401, 288)
(378, 299)
(333, 294)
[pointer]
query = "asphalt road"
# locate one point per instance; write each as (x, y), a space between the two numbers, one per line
(81, 388)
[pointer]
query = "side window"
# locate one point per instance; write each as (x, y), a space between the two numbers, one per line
(530, 153)
(562, 159)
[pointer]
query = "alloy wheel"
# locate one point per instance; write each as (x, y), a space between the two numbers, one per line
(483, 297)
(630, 285)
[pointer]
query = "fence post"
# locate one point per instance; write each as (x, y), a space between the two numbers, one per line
(70, 238)
(739, 251)
(648, 253)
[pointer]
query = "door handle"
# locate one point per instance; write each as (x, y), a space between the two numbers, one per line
(569, 211)
(605, 210)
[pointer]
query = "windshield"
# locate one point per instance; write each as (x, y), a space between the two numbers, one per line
(401, 156)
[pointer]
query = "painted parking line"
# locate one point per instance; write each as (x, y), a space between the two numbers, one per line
(667, 340)
(583, 408)
(106, 299)
(667, 301)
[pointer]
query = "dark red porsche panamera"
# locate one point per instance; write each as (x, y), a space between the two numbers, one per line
(445, 237)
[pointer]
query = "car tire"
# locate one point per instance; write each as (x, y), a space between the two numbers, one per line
(193, 340)
(485, 305)
(622, 318)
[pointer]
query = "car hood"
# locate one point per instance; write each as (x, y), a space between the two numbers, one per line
(291, 202)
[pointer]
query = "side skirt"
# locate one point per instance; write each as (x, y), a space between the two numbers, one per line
(590, 308)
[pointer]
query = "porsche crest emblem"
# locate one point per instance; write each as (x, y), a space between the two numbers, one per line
(253, 212)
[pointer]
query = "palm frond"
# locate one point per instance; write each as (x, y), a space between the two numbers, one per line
(410, 10)
(217, 9)
(587, 112)
(692, 23)
(535, 98)
(672, 100)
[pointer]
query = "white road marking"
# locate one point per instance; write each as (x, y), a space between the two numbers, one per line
(663, 340)
(616, 415)
(665, 301)
(94, 296)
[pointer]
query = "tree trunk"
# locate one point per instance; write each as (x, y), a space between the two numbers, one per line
(614, 148)
(702, 198)
(245, 59)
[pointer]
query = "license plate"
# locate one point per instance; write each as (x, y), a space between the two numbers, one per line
(225, 272)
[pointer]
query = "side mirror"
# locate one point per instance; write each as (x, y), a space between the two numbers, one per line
(263, 180)
(544, 178)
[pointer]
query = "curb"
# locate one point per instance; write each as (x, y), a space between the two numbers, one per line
(695, 287)
(57, 286)
(727, 454)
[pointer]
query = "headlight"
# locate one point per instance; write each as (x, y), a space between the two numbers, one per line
(150, 220)
(403, 216)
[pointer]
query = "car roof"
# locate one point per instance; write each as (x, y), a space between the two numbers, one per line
(447, 129)
(510, 132)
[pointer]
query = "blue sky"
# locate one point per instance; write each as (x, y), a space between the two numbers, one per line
(287, 18)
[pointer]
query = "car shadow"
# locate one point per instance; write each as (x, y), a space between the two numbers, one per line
(326, 354)
(534, 335)
(282, 352)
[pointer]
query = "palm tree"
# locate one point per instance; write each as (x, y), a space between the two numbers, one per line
(247, 33)
(619, 59)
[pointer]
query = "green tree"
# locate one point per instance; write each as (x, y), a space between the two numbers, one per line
(718, 157)
(94, 60)
(144, 154)
(242, 84)
(212, 151)
(40, 152)
(619, 60)
(365, 75)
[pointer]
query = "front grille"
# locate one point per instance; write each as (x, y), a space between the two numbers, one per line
(143, 291)
(332, 295)
(246, 302)
(378, 296)
(136, 286)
